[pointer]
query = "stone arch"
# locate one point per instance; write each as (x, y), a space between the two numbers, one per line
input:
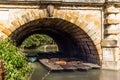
(71, 22)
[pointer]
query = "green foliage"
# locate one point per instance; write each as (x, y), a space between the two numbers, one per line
(17, 68)
(36, 40)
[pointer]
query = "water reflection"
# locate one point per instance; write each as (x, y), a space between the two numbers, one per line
(40, 71)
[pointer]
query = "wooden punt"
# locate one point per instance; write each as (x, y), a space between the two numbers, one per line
(55, 64)
(93, 66)
(68, 67)
(50, 65)
(80, 66)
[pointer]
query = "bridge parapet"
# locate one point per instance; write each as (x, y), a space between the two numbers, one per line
(78, 1)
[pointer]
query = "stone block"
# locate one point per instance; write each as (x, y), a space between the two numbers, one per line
(91, 32)
(110, 54)
(98, 46)
(1, 27)
(26, 18)
(99, 51)
(85, 1)
(112, 21)
(15, 23)
(71, 16)
(82, 25)
(42, 14)
(89, 26)
(36, 14)
(55, 13)
(116, 54)
(113, 0)
(96, 36)
(3, 35)
(68, 17)
(21, 22)
(111, 37)
(100, 57)
(111, 10)
(118, 16)
(109, 43)
(110, 65)
(96, 42)
(111, 27)
(109, 31)
(12, 28)
(111, 16)
(60, 13)
(7, 32)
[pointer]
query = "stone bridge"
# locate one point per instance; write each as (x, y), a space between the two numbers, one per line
(87, 28)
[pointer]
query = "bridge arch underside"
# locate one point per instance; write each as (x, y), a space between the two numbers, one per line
(71, 39)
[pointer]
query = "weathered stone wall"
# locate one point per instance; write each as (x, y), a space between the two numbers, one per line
(110, 43)
(101, 23)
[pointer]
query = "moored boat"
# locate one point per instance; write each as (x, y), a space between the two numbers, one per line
(50, 65)
(56, 64)
(93, 66)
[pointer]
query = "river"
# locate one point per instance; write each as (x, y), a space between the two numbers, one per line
(40, 72)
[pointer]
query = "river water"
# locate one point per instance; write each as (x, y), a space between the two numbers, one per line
(40, 72)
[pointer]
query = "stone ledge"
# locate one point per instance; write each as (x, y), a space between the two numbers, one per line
(111, 31)
(52, 1)
(112, 0)
(109, 43)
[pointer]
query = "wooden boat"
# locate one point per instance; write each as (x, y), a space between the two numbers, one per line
(83, 67)
(68, 67)
(57, 65)
(93, 66)
(50, 65)
(80, 66)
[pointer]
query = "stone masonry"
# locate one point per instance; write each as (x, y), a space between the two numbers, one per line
(98, 19)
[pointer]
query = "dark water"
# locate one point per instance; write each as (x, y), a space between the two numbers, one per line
(40, 71)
